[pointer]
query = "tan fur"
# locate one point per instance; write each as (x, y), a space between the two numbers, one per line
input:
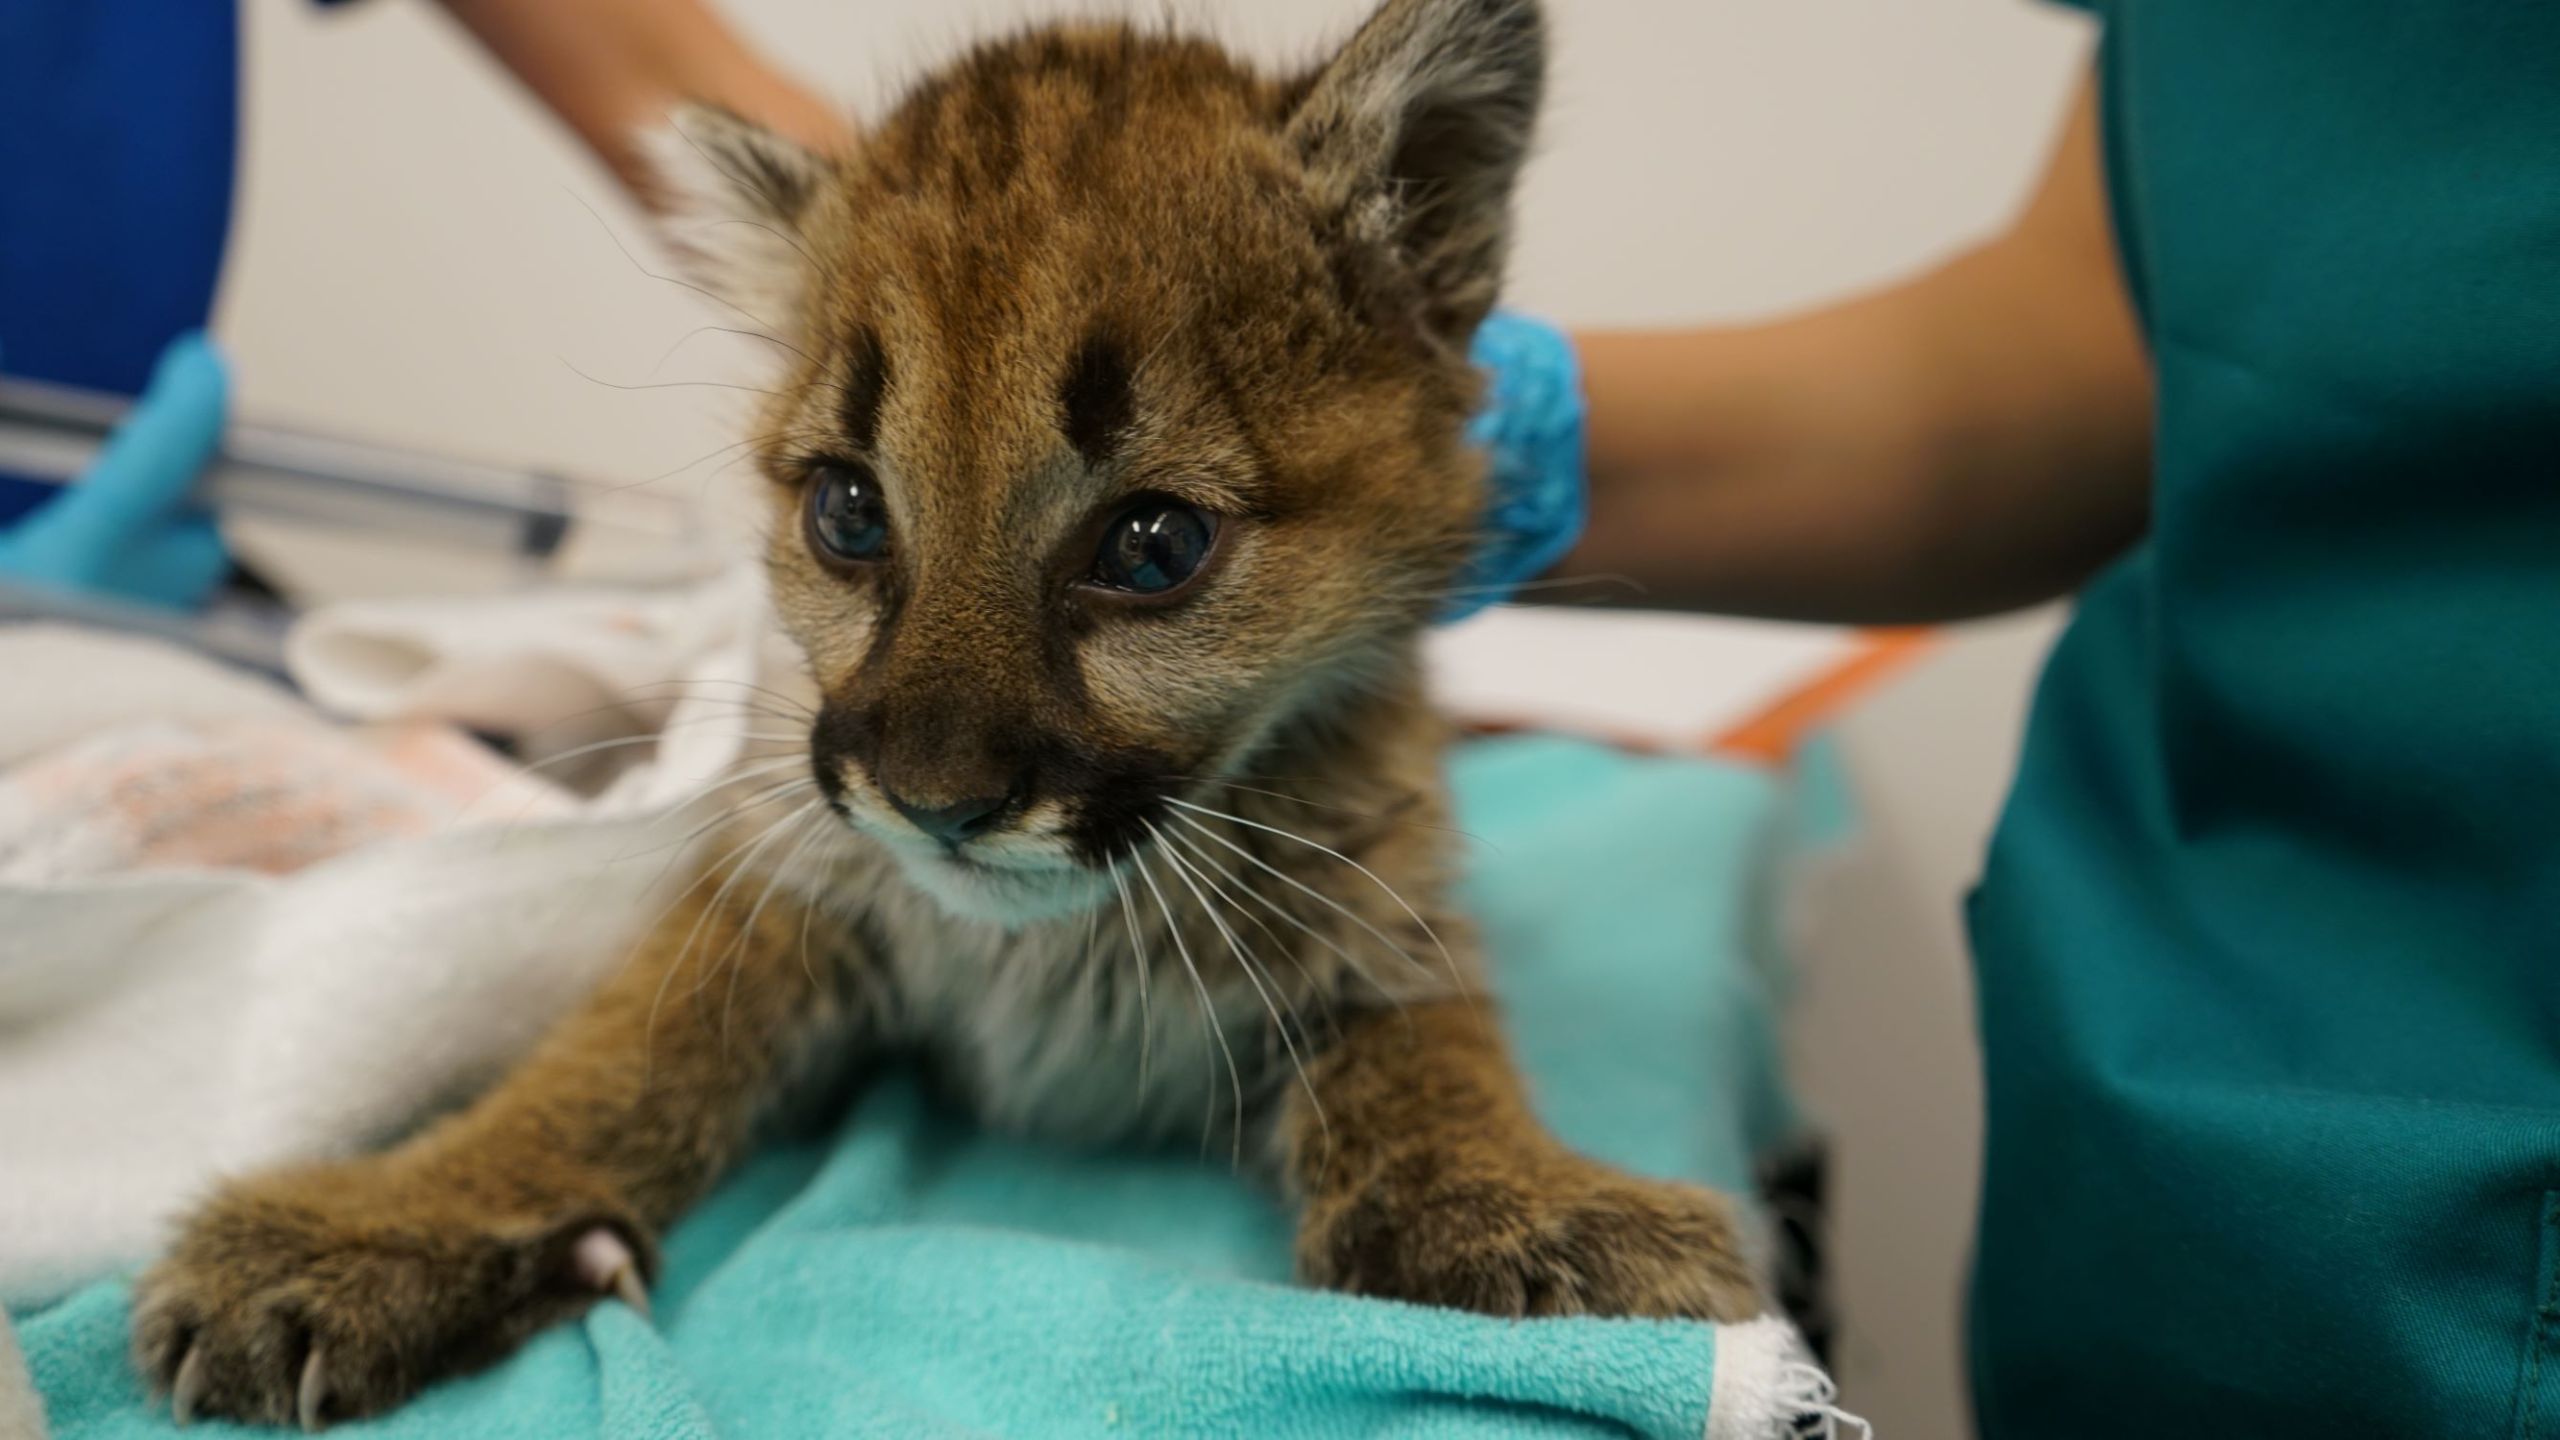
(1431, 1181)
(1218, 897)
(447, 1251)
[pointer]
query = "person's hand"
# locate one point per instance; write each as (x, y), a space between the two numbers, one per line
(128, 527)
(1531, 427)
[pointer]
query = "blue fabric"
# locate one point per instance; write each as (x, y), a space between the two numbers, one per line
(907, 1277)
(116, 141)
(1531, 426)
(128, 528)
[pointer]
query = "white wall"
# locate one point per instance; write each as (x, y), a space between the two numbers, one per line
(1883, 1042)
(416, 260)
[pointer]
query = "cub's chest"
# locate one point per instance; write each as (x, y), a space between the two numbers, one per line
(1078, 1029)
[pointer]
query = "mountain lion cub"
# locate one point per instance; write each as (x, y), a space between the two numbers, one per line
(1116, 469)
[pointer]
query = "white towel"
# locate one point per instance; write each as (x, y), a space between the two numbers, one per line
(162, 1027)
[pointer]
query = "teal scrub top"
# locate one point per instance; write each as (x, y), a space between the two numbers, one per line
(2269, 936)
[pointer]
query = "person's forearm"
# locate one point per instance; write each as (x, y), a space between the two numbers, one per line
(611, 69)
(1967, 442)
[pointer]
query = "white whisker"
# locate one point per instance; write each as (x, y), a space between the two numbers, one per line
(1146, 1011)
(1244, 962)
(812, 825)
(1415, 915)
(683, 844)
(786, 823)
(656, 737)
(1284, 914)
(500, 827)
(1356, 814)
(791, 705)
(1312, 893)
(808, 912)
(791, 711)
(1087, 975)
(1209, 1021)
(738, 861)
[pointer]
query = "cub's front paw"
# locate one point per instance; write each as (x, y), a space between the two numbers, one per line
(330, 1293)
(1558, 1237)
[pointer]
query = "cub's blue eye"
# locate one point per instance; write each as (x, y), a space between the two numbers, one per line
(847, 519)
(1153, 547)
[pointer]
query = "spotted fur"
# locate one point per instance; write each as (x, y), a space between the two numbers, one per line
(1076, 268)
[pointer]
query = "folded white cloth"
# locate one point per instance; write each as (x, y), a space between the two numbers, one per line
(563, 668)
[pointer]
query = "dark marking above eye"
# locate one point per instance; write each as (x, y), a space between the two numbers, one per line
(866, 381)
(1219, 370)
(1095, 401)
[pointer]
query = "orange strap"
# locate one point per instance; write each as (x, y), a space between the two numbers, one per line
(1772, 735)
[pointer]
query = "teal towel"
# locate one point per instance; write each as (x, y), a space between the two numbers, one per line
(907, 1277)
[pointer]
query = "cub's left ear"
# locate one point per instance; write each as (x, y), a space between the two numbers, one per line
(1413, 136)
(733, 198)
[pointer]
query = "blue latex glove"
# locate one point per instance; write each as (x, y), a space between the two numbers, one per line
(128, 527)
(1532, 424)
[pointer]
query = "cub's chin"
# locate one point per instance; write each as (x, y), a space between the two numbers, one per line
(1010, 896)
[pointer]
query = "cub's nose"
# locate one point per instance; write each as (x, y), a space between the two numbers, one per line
(955, 823)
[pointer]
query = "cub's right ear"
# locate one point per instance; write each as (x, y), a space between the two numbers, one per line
(733, 197)
(1413, 136)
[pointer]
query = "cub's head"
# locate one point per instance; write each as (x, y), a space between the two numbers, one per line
(1124, 424)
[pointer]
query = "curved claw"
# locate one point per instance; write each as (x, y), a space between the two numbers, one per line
(188, 1390)
(312, 1395)
(627, 1286)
